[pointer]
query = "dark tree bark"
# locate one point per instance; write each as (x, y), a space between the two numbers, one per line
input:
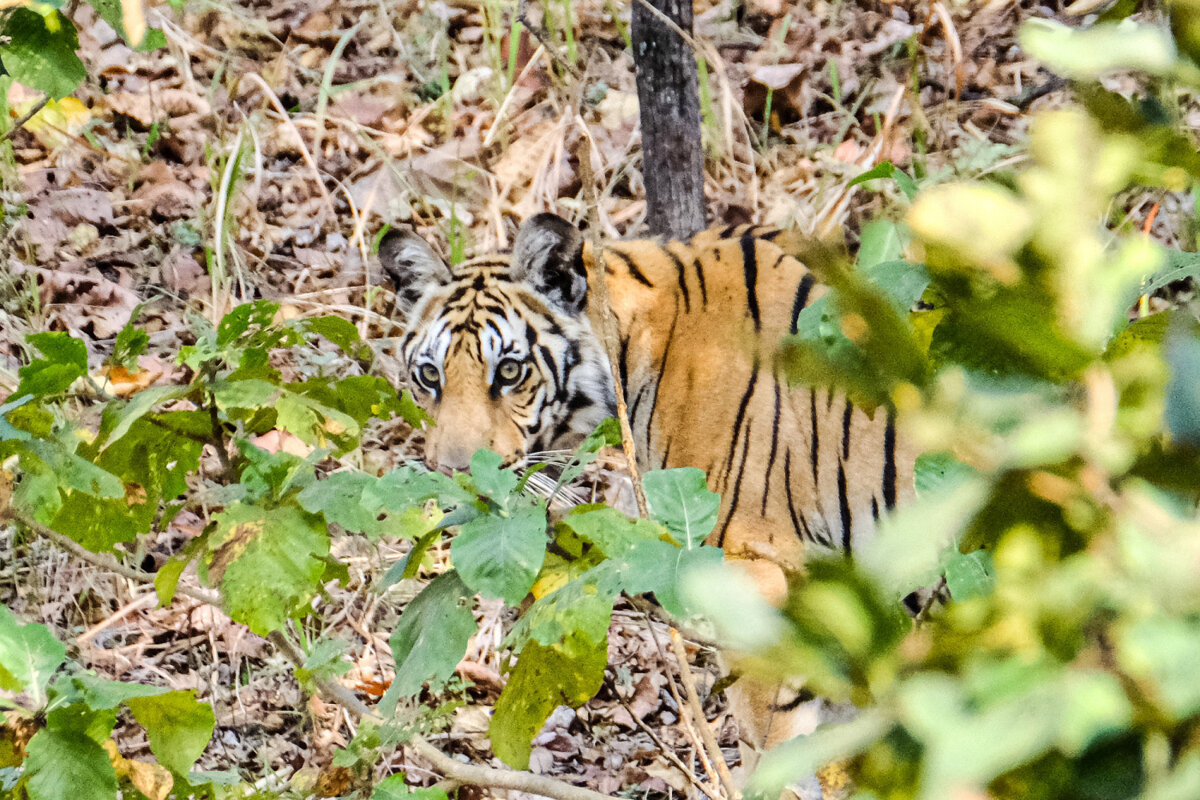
(669, 106)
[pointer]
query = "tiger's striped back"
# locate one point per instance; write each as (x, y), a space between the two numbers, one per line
(700, 325)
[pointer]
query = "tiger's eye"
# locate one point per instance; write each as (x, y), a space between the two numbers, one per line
(508, 371)
(429, 374)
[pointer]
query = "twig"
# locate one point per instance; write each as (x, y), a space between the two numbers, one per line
(456, 771)
(21, 120)
(543, 37)
(600, 311)
(693, 697)
(662, 748)
(104, 560)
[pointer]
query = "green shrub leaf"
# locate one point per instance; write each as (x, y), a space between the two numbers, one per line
(29, 655)
(499, 555)
(40, 52)
(178, 725)
(545, 677)
(267, 563)
(431, 636)
(680, 500)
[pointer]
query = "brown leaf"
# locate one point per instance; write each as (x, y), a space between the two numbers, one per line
(777, 76)
(164, 196)
(147, 108)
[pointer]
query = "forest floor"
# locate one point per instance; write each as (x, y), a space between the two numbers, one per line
(262, 150)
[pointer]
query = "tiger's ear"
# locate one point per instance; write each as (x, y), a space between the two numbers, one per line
(548, 255)
(411, 264)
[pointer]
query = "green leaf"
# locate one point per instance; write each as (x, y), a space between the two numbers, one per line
(131, 343)
(119, 416)
(394, 788)
(178, 725)
(110, 12)
(1087, 54)
(64, 361)
(40, 52)
(432, 634)
(680, 500)
(581, 607)
(728, 597)
(802, 756)
(499, 555)
(914, 543)
(342, 333)
(1163, 652)
(29, 656)
(150, 464)
(491, 479)
(68, 765)
(661, 567)
(166, 580)
(268, 563)
(544, 678)
(344, 500)
(325, 660)
(249, 393)
(243, 319)
(935, 472)
(101, 693)
(610, 530)
(881, 241)
(1183, 391)
(1147, 331)
(884, 169)
(970, 575)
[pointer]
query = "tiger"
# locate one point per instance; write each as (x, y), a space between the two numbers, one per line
(502, 354)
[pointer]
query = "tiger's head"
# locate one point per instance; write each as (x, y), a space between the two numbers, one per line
(499, 350)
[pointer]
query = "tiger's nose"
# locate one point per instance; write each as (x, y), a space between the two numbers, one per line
(449, 458)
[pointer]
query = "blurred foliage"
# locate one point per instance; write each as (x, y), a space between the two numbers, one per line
(1058, 499)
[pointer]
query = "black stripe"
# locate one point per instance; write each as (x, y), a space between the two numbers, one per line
(750, 266)
(801, 301)
(816, 439)
(679, 268)
(662, 368)
(774, 445)
(799, 523)
(666, 453)
(727, 231)
(889, 462)
(844, 507)
(737, 422)
(700, 280)
(622, 366)
(737, 488)
(847, 418)
(875, 508)
(631, 267)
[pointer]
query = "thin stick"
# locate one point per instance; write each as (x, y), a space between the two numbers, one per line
(21, 120)
(710, 741)
(600, 310)
(290, 124)
(703, 786)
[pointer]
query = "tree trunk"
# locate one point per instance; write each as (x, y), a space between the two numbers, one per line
(669, 105)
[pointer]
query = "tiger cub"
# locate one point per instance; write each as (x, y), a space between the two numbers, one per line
(501, 354)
